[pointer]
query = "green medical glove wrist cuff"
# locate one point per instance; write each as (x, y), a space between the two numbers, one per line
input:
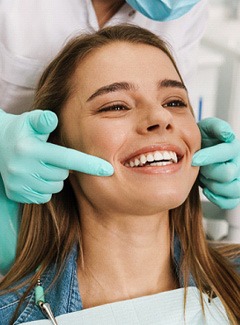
(9, 224)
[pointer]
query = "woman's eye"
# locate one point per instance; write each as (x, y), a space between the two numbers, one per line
(113, 108)
(175, 103)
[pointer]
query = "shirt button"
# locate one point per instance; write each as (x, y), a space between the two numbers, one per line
(131, 13)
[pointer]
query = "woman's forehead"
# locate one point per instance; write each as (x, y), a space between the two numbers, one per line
(119, 53)
(123, 61)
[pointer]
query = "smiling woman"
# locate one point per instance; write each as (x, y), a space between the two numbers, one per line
(119, 95)
(121, 113)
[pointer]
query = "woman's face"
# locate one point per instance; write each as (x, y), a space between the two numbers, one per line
(130, 108)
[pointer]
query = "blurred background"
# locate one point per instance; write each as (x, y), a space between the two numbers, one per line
(218, 84)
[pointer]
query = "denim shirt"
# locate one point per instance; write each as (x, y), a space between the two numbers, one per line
(63, 296)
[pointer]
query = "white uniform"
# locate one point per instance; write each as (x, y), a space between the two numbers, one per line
(33, 31)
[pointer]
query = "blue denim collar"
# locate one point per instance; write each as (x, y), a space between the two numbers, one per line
(63, 295)
(177, 262)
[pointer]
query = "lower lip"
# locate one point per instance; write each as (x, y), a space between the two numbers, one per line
(168, 169)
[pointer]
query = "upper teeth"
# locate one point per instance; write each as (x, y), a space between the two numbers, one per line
(155, 156)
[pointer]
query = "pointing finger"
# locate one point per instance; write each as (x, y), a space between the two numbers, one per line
(75, 160)
(220, 153)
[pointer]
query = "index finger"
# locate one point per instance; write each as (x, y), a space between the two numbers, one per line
(71, 159)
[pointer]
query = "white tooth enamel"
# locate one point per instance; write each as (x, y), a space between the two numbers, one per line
(154, 158)
(166, 155)
(174, 157)
(143, 159)
(164, 163)
(150, 157)
(137, 162)
(158, 156)
(132, 164)
(159, 164)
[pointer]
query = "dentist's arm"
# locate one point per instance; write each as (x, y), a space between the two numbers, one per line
(220, 163)
(32, 170)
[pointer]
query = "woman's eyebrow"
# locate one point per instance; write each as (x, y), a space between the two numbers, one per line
(116, 86)
(169, 83)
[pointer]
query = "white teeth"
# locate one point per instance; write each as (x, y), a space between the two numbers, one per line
(132, 164)
(166, 163)
(158, 156)
(154, 159)
(166, 155)
(161, 163)
(150, 157)
(174, 156)
(143, 159)
(137, 162)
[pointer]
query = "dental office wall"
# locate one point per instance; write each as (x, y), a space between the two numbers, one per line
(218, 86)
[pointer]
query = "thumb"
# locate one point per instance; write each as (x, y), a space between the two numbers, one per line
(42, 122)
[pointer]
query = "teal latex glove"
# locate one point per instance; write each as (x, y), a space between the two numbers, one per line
(32, 169)
(220, 163)
(9, 223)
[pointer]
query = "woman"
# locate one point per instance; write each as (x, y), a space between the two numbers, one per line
(22, 60)
(119, 96)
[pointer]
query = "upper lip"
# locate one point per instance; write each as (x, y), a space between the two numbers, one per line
(153, 148)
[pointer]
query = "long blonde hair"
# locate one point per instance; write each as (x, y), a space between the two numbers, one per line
(57, 223)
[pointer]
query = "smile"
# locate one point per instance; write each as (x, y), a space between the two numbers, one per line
(155, 158)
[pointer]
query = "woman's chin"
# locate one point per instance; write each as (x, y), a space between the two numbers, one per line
(152, 203)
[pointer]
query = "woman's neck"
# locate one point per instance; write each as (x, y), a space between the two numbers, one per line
(124, 257)
(106, 9)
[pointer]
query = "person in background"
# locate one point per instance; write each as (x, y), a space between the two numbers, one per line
(30, 36)
(139, 232)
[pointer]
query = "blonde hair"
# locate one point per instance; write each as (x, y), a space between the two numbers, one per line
(57, 223)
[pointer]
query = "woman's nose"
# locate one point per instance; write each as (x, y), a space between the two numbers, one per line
(156, 118)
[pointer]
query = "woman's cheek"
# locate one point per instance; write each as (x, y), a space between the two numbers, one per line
(192, 135)
(105, 138)
(196, 139)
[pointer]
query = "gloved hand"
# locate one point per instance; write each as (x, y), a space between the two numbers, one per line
(32, 170)
(220, 163)
(9, 213)
(162, 10)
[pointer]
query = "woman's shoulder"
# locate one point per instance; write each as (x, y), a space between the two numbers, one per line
(62, 294)
(230, 251)
(9, 302)
(236, 263)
